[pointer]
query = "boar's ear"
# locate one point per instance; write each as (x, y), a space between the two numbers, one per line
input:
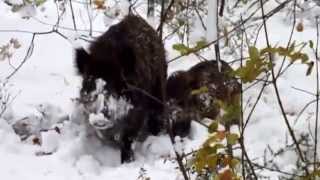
(82, 59)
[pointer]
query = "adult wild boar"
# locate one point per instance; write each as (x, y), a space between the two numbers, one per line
(187, 104)
(124, 71)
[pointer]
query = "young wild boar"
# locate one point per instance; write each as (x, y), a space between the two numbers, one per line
(188, 104)
(128, 63)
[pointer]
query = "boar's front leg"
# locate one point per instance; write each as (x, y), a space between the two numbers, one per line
(126, 150)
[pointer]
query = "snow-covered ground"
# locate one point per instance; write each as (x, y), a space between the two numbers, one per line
(46, 85)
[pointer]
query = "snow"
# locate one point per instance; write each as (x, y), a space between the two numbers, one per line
(46, 86)
(50, 141)
(99, 121)
(119, 107)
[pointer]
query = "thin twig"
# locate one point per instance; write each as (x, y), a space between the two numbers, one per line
(72, 15)
(276, 170)
(26, 57)
(179, 158)
(65, 27)
(30, 49)
(303, 109)
(216, 45)
(304, 91)
(163, 15)
(254, 105)
(89, 17)
(9, 101)
(241, 101)
(201, 19)
(248, 159)
(317, 98)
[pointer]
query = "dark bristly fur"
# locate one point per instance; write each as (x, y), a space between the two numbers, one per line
(222, 86)
(129, 54)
